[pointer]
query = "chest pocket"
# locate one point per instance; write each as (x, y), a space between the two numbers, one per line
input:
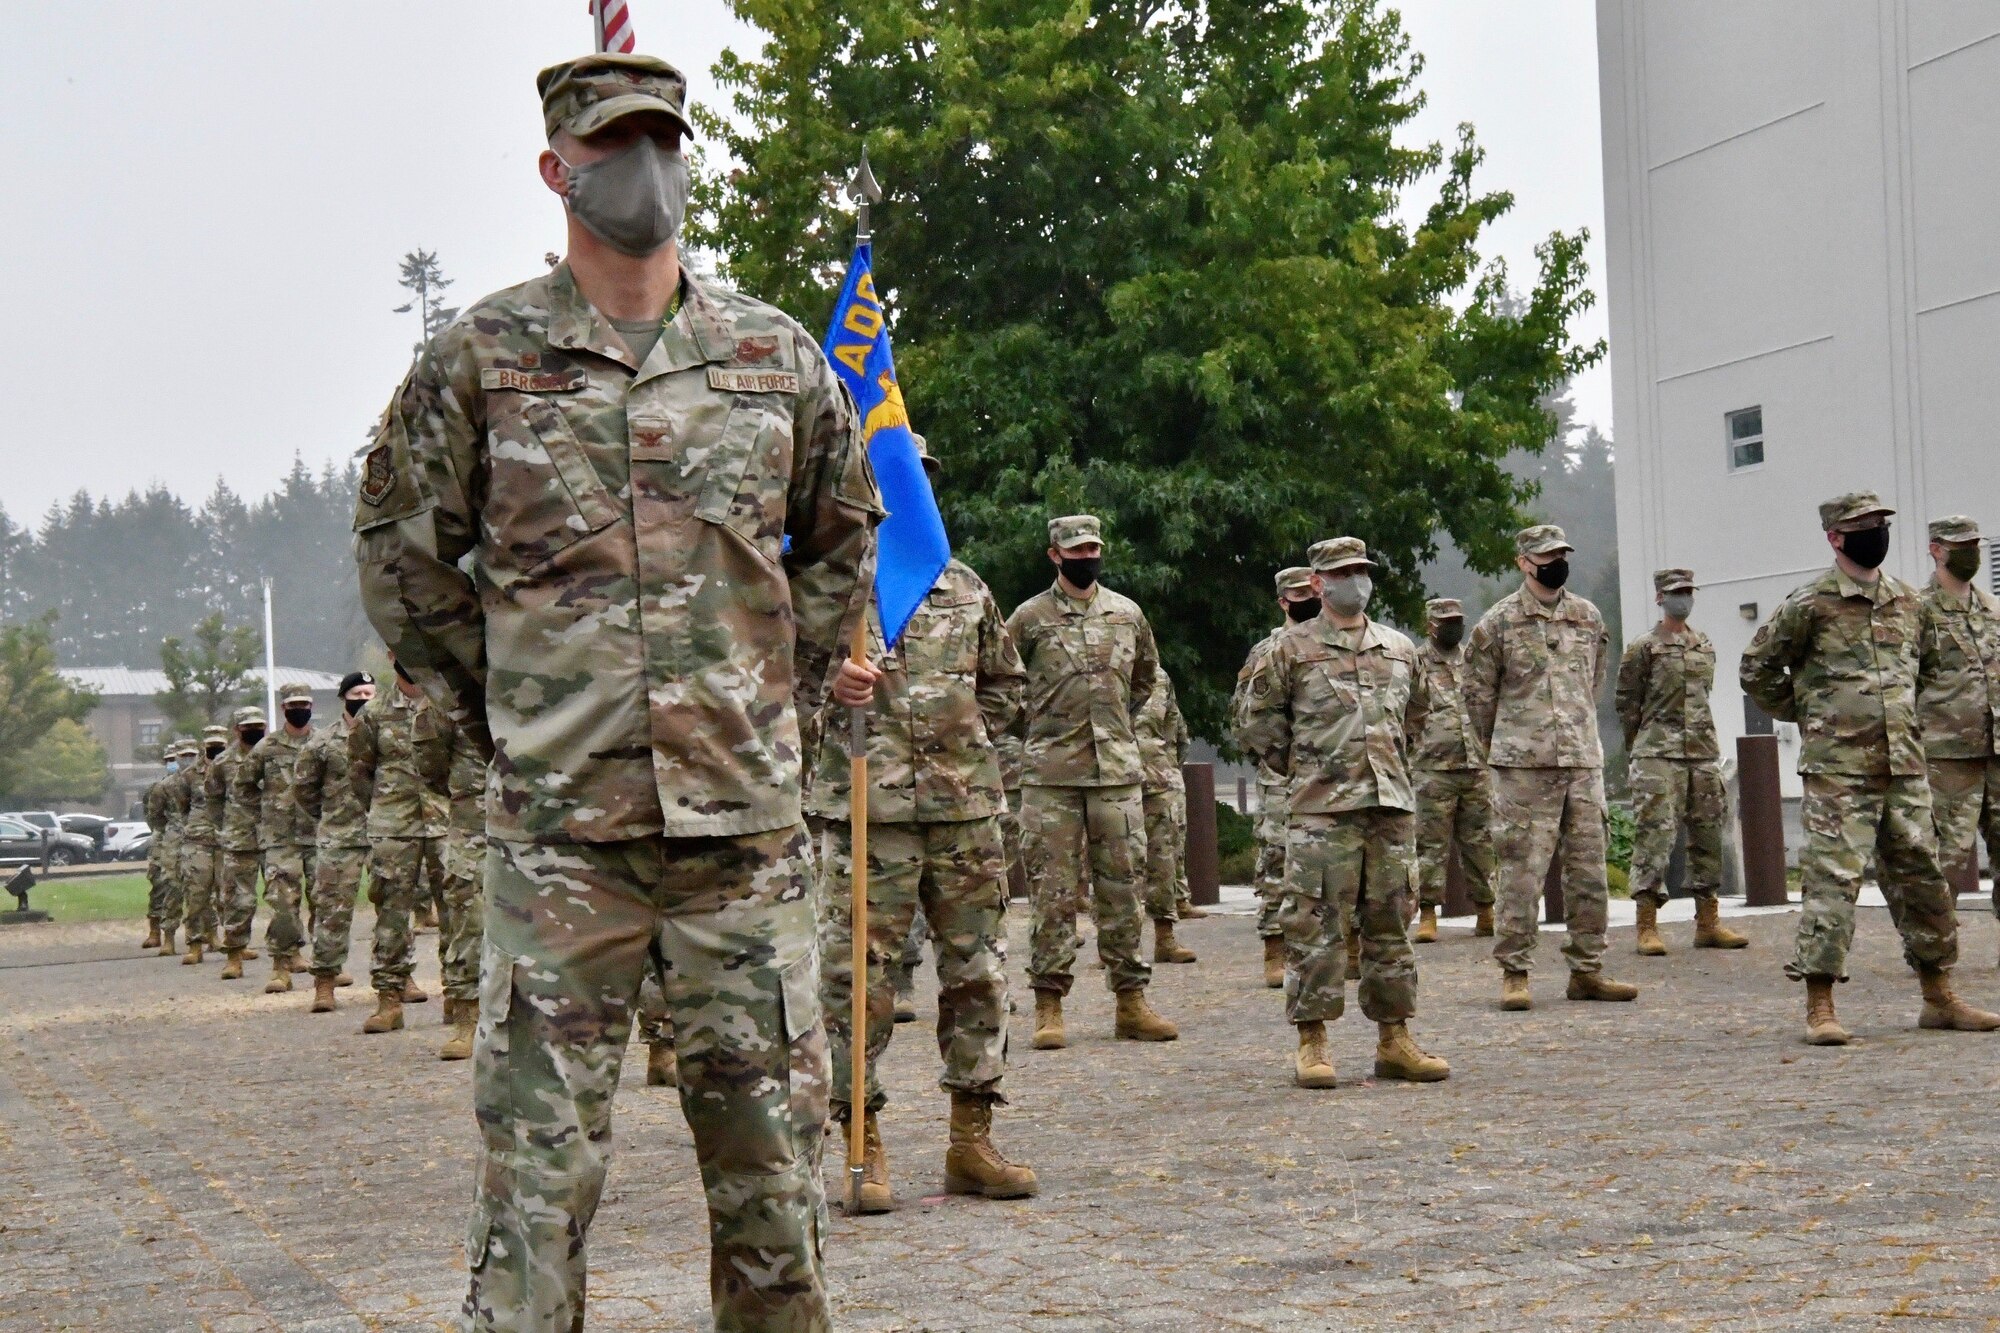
(1095, 644)
(749, 467)
(1699, 663)
(542, 494)
(943, 636)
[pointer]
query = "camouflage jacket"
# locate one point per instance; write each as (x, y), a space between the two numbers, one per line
(234, 817)
(1163, 737)
(1839, 658)
(635, 641)
(1958, 673)
(1663, 684)
(156, 807)
(323, 789)
(1444, 743)
(1090, 667)
(398, 758)
(1269, 784)
(191, 787)
(264, 779)
(950, 686)
(1326, 709)
(1531, 678)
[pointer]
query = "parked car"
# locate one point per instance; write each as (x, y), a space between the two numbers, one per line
(127, 840)
(65, 849)
(87, 826)
(20, 844)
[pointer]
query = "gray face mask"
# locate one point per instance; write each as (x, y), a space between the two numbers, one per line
(1349, 596)
(633, 200)
(1677, 604)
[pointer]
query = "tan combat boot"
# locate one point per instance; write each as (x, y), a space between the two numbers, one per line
(1274, 961)
(388, 1015)
(1165, 948)
(323, 995)
(1709, 932)
(906, 1005)
(167, 949)
(233, 969)
(281, 976)
(1397, 1055)
(251, 955)
(972, 1165)
(193, 955)
(1482, 924)
(1354, 957)
(1822, 1028)
(412, 992)
(1514, 992)
(1596, 986)
(663, 1068)
(152, 940)
(1049, 1034)
(1312, 1067)
(1137, 1021)
(1944, 1010)
(1650, 943)
(1187, 911)
(296, 962)
(461, 1015)
(876, 1197)
(1427, 926)
(344, 979)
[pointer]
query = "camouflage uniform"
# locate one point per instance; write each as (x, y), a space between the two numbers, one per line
(1531, 677)
(201, 854)
(236, 814)
(633, 646)
(323, 789)
(1325, 709)
(461, 925)
(398, 759)
(1163, 743)
(1090, 667)
(1454, 799)
(1958, 697)
(1270, 829)
(162, 900)
(952, 683)
(1675, 770)
(264, 780)
(1839, 658)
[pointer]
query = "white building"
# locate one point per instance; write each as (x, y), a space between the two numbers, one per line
(1802, 216)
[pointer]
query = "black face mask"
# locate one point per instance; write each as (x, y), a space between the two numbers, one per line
(1554, 574)
(1081, 570)
(298, 717)
(1448, 633)
(353, 706)
(251, 735)
(1868, 547)
(1962, 562)
(213, 751)
(1302, 610)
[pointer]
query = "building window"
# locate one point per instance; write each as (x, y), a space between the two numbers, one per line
(149, 732)
(1746, 438)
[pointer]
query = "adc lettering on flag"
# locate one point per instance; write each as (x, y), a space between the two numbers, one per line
(913, 549)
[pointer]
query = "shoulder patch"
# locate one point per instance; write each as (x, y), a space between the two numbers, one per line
(730, 380)
(377, 475)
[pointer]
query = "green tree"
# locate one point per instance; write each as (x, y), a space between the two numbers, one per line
(67, 764)
(34, 696)
(205, 677)
(1146, 261)
(421, 275)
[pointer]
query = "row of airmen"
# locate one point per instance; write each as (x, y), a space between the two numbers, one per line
(389, 785)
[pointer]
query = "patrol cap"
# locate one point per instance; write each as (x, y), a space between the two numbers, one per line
(247, 716)
(1295, 579)
(924, 455)
(1444, 608)
(215, 733)
(1843, 511)
(1542, 539)
(1955, 528)
(584, 95)
(1073, 531)
(1338, 553)
(295, 693)
(1673, 580)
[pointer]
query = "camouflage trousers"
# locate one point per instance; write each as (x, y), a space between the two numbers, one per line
(1010, 838)
(163, 901)
(200, 866)
(1454, 806)
(335, 883)
(287, 870)
(903, 970)
(1537, 811)
(1166, 853)
(397, 868)
(569, 931)
(957, 873)
(1270, 859)
(1060, 826)
(1846, 819)
(236, 886)
(1348, 874)
(1965, 805)
(461, 914)
(1665, 794)
(653, 1026)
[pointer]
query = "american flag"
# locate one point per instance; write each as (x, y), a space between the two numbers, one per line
(614, 26)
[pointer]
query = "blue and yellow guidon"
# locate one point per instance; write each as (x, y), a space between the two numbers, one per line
(913, 549)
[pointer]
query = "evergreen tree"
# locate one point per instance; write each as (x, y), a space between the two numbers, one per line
(205, 677)
(424, 279)
(34, 696)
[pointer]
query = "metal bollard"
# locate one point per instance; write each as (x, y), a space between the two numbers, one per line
(1760, 813)
(1204, 870)
(1242, 795)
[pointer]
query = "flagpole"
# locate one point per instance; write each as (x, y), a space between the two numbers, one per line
(863, 191)
(597, 22)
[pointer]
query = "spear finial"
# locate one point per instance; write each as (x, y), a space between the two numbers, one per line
(863, 190)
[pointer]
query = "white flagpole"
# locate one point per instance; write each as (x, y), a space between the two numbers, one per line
(270, 662)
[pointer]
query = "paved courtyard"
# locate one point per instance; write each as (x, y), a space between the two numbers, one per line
(177, 1153)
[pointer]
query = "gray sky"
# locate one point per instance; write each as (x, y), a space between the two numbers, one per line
(209, 201)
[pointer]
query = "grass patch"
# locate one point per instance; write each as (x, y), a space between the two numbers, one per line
(111, 898)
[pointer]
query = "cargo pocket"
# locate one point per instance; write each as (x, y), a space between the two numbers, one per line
(805, 1045)
(478, 1232)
